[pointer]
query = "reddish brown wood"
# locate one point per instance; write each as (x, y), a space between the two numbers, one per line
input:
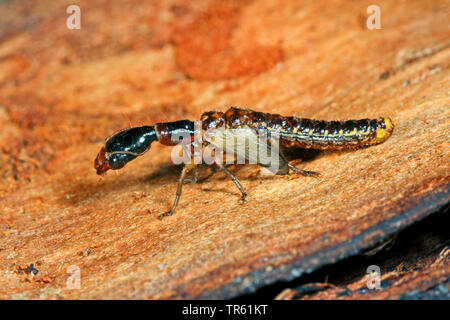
(63, 91)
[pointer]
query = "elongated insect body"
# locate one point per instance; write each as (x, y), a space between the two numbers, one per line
(222, 129)
(304, 133)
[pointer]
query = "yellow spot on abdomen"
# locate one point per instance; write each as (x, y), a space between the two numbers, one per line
(383, 134)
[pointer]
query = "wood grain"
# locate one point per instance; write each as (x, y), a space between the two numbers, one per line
(63, 91)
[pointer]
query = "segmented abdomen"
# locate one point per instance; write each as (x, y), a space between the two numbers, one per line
(315, 134)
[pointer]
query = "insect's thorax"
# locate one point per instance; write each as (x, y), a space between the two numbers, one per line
(170, 133)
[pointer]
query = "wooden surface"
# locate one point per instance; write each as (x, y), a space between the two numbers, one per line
(133, 62)
(414, 264)
(429, 281)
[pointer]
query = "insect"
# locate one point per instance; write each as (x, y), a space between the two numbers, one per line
(219, 129)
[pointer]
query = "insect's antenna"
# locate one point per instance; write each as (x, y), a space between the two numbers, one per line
(128, 118)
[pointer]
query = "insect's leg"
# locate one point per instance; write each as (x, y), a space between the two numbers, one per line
(195, 178)
(296, 170)
(187, 167)
(303, 172)
(235, 180)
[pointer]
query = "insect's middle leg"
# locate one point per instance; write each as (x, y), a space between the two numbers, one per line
(235, 180)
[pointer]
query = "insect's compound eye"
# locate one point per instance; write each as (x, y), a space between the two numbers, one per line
(119, 160)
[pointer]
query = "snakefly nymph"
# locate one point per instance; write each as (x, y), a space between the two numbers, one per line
(247, 127)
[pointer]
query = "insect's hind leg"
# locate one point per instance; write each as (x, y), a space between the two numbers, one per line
(285, 166)
(235, 180)
(187, 167)
(303, 172)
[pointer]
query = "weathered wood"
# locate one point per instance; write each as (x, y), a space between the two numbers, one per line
(63, 91)
(413, 265)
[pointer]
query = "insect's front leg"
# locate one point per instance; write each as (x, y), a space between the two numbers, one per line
(195, 178)
(187, 167)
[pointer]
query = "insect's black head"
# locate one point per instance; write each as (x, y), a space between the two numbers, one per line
(124, 146)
